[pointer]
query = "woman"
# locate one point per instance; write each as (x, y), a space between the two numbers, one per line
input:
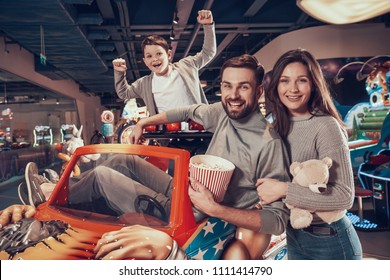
(305, 117)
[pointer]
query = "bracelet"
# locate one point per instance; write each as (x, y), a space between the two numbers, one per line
(176, 253)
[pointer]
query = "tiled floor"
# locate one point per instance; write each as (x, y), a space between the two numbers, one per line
(376, 245)
(8, 192)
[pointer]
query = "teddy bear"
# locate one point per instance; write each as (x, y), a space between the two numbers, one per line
(312, 174)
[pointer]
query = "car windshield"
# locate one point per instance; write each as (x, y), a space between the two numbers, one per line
(117, 188)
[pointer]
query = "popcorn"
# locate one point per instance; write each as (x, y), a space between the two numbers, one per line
(209, 166)
(213, 172)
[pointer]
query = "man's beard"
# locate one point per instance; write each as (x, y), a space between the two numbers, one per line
(235, 114)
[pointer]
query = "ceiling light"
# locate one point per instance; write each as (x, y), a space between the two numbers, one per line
(176, 19)
(343, 11)
(57, 102)
(172, 35)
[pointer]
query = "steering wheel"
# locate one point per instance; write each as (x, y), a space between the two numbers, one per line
(148, 205)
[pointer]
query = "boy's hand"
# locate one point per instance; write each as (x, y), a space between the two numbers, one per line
(205, 17)
(136, 134)
(119, 64)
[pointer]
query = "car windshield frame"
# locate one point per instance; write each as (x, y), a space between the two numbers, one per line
(181, 216)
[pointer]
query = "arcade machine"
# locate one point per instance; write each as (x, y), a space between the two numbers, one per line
(66, 132)
(374, 174)
(5, 130)
(6, 155)
(108, 118)
(365, 122)
(370, 124)
(15, 151)
(5, 139)
(42, 135)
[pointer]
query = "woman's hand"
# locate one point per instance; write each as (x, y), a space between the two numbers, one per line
(270, 190)
(134, 242)
(201, 197)
(15, 213)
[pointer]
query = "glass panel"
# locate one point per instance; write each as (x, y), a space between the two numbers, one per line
(121, 188)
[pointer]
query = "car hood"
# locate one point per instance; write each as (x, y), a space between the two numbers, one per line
(33, 239)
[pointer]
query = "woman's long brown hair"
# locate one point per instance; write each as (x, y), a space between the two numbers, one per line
(320, 99)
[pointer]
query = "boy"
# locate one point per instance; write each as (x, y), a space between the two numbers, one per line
(169, 85)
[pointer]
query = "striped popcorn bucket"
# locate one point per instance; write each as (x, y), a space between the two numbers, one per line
(213, 172)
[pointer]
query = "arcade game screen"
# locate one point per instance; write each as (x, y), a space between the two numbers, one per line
(360, 91)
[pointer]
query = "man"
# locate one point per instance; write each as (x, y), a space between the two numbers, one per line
(241, 135)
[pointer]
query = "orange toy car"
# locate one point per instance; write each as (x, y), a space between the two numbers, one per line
(59, 230)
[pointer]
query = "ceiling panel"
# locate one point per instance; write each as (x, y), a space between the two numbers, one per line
(81, 37)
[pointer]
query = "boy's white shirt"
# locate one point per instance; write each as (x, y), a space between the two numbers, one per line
(170, 91)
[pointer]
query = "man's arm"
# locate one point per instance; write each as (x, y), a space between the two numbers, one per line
(201, 113)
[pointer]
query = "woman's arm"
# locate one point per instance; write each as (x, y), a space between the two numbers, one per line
(272, 219)
(330, 142)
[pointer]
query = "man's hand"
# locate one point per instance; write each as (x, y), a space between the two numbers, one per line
(134, 242)
(270, 190)
(119, 65)
(203, 200)
(15, 213)
(205, 17)
(201, 197)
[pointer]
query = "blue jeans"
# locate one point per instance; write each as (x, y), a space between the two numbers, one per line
(335, 241)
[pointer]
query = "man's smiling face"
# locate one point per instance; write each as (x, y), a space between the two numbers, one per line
(239, 92)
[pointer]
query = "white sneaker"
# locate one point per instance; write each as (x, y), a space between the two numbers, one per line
(33, 182)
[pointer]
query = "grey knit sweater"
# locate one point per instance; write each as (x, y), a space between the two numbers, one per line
(188, 69)
(315, 137)
(255, 150)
